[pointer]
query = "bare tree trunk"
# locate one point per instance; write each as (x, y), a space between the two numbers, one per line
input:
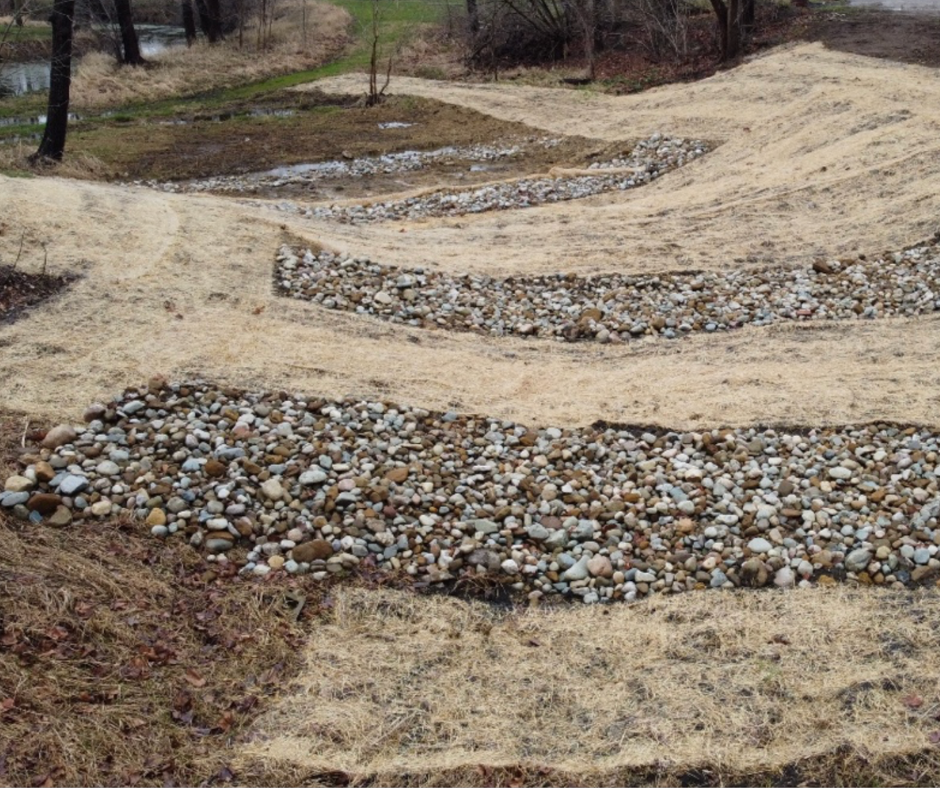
(376, 94)
(214, 10)
(729, 27)
(748, 15)
(129, 42)
(189, 21)
(734, 29)
(590, 30)
(52, 145)
(473, 16)
(18, 12)
(203, 13)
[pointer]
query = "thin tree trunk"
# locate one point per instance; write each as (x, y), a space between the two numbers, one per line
(473, 15)
(214, 10)
(590, 31)
(729, 27)
(747, 15)
(203, 14)
(734, 29)
(52, 145)
(18, 12)
(189, 21)
(129, 41)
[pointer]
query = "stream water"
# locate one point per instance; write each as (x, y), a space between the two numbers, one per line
(19, 78)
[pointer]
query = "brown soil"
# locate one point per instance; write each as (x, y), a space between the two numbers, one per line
(19, 291)
(872, 32)
(906, 38)
(323, 128)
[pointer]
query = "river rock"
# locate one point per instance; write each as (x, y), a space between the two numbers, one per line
(62, 516)
(784, 578)
(858, 559)
(759, 545)
(59, 436)
(18, 484)
(272, 490)
(577, 572)
(600, 566)
(316, 550)
(44, 503)
(156, 517)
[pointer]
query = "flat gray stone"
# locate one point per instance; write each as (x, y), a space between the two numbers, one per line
(577, 572)
(759, 545)
(72, 484)
(858, 559)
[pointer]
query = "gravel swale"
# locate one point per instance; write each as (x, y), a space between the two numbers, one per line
(614, 307)
(649, 159)
(365, 166)
(273, 482)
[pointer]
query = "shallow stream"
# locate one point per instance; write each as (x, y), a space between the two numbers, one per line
(19, 78)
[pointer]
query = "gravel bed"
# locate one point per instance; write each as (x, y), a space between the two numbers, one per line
(649, 159)
(613, 307)
(388, 164)
(278, 483)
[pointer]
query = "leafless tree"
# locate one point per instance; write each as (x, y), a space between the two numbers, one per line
(52, 145)
(375, 93)
(664, 28)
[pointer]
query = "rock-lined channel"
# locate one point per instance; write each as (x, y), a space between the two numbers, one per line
(614, 307)
(272, 482)
(649, 159)
(365, 166)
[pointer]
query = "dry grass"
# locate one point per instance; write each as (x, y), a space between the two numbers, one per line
(101, 82)
(14, 157)
(738, 687)
(122, 662)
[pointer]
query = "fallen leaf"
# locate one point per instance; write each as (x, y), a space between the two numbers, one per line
(913, 701)
(225, 722)
(194, 678)
(934, 737)
(6, 704)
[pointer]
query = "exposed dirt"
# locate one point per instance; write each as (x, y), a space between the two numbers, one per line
(907, 38)
(303, 128)
(19, 291)
(872, 32)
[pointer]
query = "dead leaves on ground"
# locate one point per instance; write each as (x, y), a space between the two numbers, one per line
(182, 661)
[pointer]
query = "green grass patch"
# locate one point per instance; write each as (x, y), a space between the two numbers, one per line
(29, 105)
(398, 21)
(11, 34)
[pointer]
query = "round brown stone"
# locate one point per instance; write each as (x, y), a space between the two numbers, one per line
(214, 468)
(318, 549)
(44, 503)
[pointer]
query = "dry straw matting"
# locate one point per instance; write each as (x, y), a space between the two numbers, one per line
(822, 157)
